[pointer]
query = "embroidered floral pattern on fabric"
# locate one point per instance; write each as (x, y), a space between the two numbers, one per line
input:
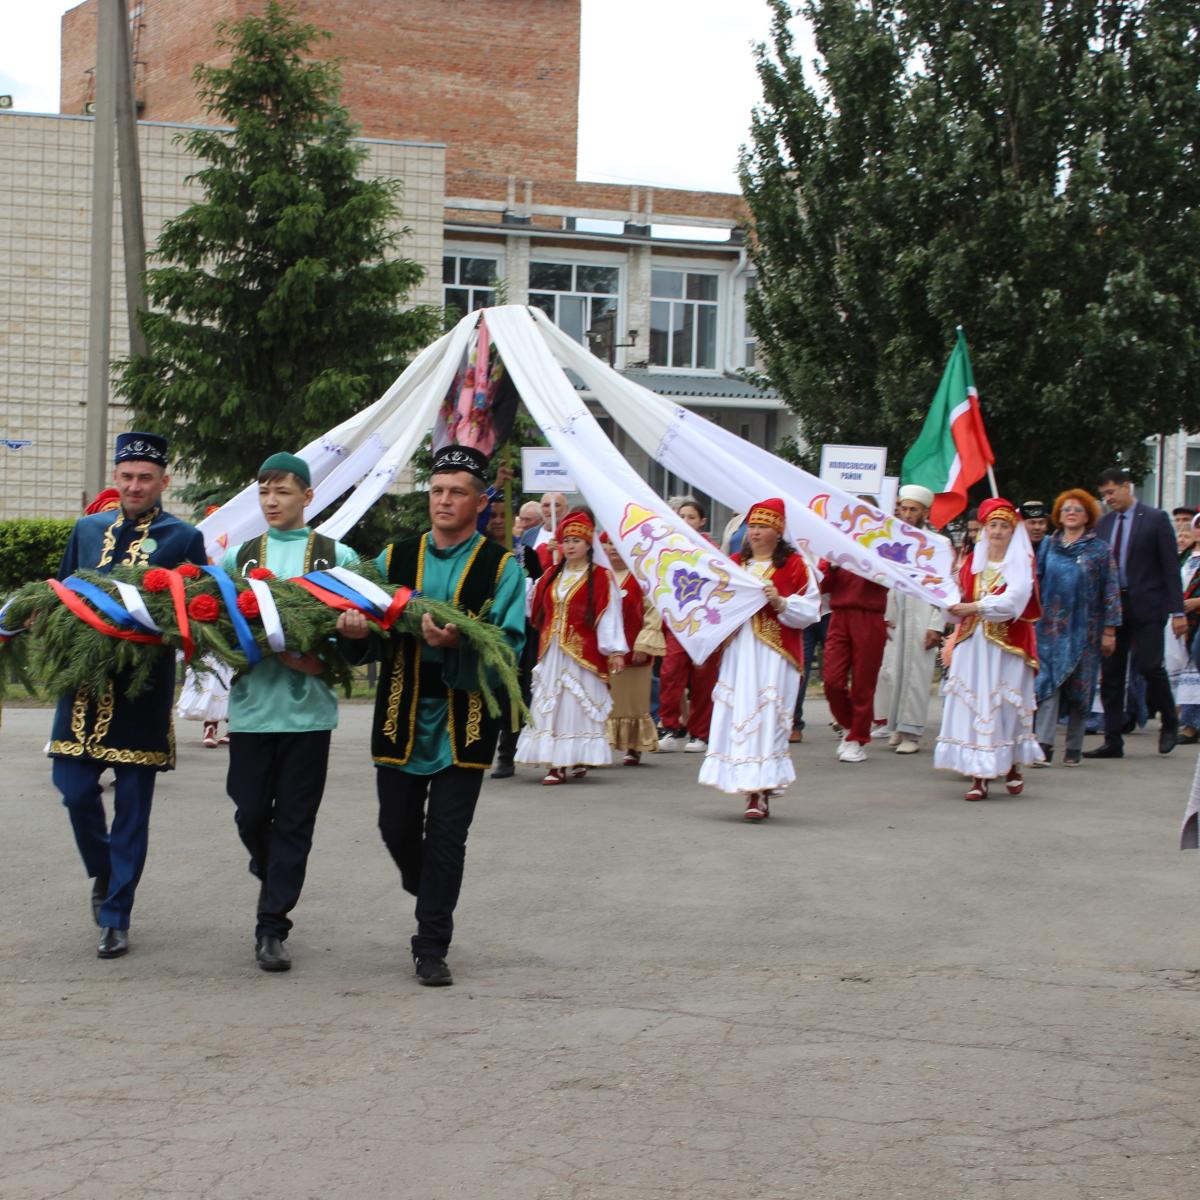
(687, 583)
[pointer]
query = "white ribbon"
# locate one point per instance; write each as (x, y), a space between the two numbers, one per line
(7, 632)
(136, 606)
(269, 615)
(372, 591)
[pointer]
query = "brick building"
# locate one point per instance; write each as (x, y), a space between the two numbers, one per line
(475, 106)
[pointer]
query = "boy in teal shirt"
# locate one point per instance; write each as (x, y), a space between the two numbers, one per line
(281, 716)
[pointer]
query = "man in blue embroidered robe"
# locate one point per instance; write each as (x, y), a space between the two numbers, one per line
(432, 739)
(100, 726)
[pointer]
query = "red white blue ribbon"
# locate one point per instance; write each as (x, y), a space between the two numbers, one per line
(241, 627)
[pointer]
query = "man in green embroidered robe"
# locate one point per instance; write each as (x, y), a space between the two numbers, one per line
(432, 739)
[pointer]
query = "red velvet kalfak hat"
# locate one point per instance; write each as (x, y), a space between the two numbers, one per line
(575, 524)
(770, 513)
(997, 507)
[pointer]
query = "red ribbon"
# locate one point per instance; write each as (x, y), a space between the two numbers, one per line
(84, 613)
(97, 622)
(181, 615)
(399, 602)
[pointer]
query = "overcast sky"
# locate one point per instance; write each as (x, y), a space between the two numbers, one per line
(665, 96)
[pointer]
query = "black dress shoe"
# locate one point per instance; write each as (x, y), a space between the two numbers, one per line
(503, 770)
(113, 943)
(271, 953)
(99, 894)
(1167, 740)
(433, 972)
(1108, 750)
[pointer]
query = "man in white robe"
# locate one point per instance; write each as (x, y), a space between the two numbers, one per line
(914, 634)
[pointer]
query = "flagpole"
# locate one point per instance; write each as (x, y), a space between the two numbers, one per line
(992, 480)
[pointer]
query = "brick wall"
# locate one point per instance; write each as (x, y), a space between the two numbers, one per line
(496, 80)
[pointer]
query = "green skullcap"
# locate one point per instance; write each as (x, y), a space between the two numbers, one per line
(287, 462)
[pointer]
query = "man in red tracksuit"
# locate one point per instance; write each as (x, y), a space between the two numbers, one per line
(853, 655)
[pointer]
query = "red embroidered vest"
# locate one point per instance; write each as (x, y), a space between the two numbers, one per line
(789, 580)
(1013, 637)
(567, 621)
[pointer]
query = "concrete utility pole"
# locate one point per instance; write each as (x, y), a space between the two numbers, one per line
(115, 118)
(133, 231)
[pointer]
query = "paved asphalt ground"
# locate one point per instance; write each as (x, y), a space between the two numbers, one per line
(882, 992)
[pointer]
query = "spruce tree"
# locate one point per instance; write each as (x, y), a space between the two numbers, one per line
(277, 310)
(1028, 170)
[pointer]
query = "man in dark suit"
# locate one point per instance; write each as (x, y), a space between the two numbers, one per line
(1143, 543)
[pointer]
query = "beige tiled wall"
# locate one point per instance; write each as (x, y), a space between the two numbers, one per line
(45, 231)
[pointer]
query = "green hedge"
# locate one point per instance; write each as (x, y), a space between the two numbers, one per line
(30, 549)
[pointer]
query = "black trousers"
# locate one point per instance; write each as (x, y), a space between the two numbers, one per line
(276, 781)
(424, 821)
(1145, 639)
(506, 745)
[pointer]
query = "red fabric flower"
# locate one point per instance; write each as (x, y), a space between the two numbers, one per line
(261, 573)
(204, 608)
(156, 580)
(188, 570)
(247, 603)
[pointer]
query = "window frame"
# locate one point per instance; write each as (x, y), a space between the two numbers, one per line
(693, 266)
(461, 250)
(583, 258)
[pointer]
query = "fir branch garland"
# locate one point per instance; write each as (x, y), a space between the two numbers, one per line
(61, 652)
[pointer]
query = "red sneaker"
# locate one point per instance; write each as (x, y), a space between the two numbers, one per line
(757, 808)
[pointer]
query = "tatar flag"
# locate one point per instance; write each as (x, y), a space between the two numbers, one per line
(953, 451)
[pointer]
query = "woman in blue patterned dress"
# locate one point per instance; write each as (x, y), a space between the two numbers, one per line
(1081, 608)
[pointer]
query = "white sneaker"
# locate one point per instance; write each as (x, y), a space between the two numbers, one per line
(841, 747)
(853, 753)
(907, 745)
(696, 746)
(896, 738)
(669, 743)
(882, 731)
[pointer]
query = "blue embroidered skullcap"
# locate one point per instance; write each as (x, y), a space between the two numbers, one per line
(141, 447)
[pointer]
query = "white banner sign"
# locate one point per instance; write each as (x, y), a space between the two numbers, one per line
(887, 498)
(542, 470)
(857, 469)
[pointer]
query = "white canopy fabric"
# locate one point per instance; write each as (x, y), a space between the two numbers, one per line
(701, 594)
(823, 520)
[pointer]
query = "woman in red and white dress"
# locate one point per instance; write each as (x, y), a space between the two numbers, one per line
(581, 641)
(756, 690)
(987, 719)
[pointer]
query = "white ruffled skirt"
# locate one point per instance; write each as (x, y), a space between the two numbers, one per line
(753, 704)
(568, 715)
(205, 694)
(987, 717)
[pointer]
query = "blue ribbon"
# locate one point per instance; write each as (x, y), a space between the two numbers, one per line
(111, 608)
(332, 584)
(241, 627)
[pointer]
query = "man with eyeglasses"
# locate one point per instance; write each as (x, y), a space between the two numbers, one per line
(1143, 543)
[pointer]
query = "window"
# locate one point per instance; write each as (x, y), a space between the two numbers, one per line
(1191, 478)
(749, 338)
(683, 319)
(580, 298)
(468, 282)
